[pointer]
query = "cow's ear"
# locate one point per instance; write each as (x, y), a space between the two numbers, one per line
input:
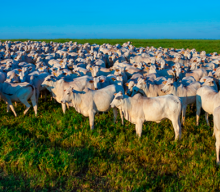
(164, 82)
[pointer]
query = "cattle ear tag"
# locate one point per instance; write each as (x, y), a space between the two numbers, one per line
(64, 90)
(115, 94)
(214, 69)
(182, 71)
(91, 81)
(164, 82)
(126, 84)
(204, 80)
(102, 81)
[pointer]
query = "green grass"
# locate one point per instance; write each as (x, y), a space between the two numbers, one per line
(56, 152)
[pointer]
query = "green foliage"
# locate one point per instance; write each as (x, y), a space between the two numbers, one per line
(57, 152)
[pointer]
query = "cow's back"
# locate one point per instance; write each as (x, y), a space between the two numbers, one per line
(103, 97)
(208, 97)
(158, 108)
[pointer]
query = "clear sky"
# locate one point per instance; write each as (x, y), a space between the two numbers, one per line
(153, 19)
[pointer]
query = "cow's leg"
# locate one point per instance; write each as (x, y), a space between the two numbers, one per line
(207, 118)
(26, 104)
(63, 107)
(217, 152)
(7, 106)
(45, 96)
(37, 95)
(34, 103)
(52, 98)
(177, 128)
(15, 104)
(122, 117)
(192, 106)
(183, 114)
(138, 127)
(67, 105)
(217, 144)
(12, 108)
(91, 120)
(115, 112)
(213, 131)
(198, 109)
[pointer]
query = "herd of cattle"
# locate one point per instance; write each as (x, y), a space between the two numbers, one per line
(144, 84)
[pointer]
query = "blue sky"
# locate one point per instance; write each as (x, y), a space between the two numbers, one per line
(153, 19)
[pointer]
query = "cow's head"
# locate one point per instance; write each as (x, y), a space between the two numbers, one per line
(168, 85)
(117, 101)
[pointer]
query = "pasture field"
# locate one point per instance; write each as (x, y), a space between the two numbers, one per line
(206, 45)
(57, 152)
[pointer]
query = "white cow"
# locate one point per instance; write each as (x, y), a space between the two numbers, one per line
(57, 87)
(216, 119)
(90, 102)
(18, 92)
(208, 99)
(149, 89)
(187, 94)
(139, 109)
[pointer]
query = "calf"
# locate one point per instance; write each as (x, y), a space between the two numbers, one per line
(57, 87)
(216, 119)
(187, 94)
(90, 102)
(208, 99)
(18, 92)
(139, 109)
